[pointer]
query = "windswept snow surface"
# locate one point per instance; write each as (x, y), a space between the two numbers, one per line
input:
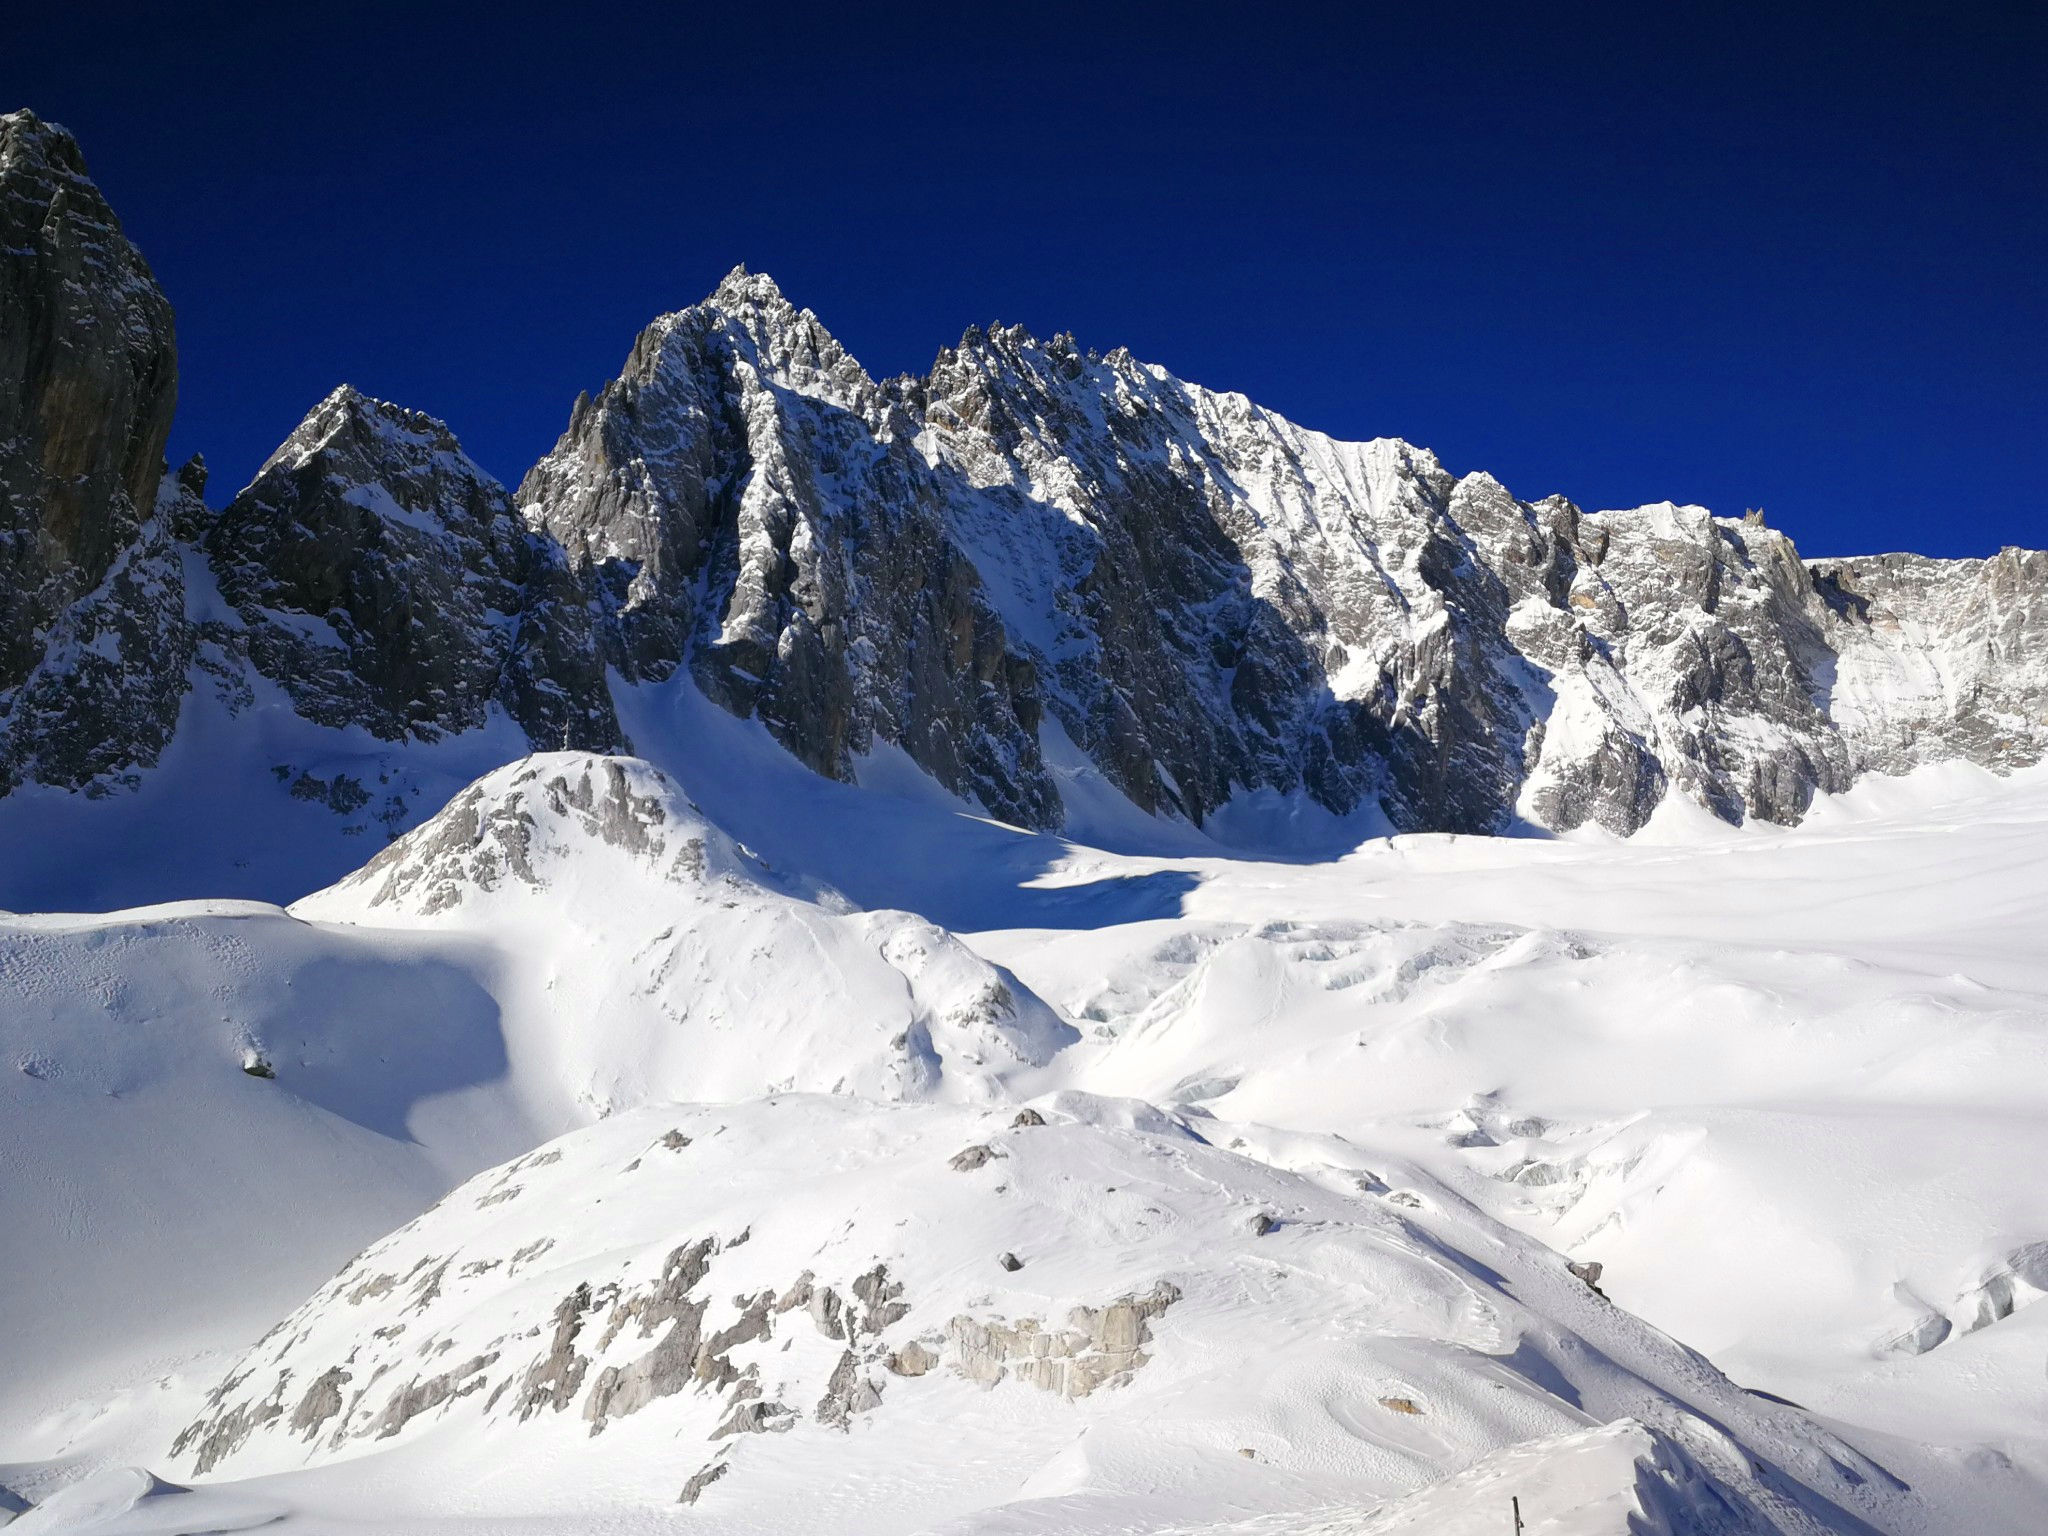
(1320, 1140)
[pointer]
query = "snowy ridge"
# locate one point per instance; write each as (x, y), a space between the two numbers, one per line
(608, 886)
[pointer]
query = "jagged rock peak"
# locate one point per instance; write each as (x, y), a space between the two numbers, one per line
(429, 597)
(746, 498)
(739, 286)
(788, 344)
(348, 417)
(88, 382)
(56, 218)
(24, 136)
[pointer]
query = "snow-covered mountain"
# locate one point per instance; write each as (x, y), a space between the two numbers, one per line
(900, 956)
(1031, 565)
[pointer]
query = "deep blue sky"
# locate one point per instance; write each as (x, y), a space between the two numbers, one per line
(1794, 256)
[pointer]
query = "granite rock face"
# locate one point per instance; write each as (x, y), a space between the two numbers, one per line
(1938, 658)
(103, 699)
(88, 382)
(1241, 603)
(371, 570)
(1208, 600)
(744, 499)
(1221, 601)
(384, 580)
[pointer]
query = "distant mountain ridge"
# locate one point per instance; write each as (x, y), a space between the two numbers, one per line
(1033, 556)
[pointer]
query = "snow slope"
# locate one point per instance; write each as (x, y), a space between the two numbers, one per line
(783, 1300)
(1783, 1085)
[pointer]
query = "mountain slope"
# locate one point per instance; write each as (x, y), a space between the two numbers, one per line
(1030, 1043)
(767, 1305)
(1793, 1147)
(566, 939)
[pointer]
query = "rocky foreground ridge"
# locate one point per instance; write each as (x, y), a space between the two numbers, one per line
(1032, 542)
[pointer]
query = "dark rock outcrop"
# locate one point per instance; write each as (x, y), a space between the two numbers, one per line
(91, 594)
(384, 580)
(88, 382)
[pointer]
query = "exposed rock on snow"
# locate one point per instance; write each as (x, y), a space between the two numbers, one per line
(1099, 1346)
(701, 1479)
(529, 821)
(714, 1341)
(564, 844)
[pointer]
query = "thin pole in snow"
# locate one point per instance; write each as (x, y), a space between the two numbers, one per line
(1518, 1515)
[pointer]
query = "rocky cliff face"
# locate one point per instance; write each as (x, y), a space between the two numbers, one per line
(90, 597)
(1209, 599)
(745, 498)
(371, 570)
(1222, 601)
(1029, 542)
(1351, 620)
(1938, 658)
(383, 579)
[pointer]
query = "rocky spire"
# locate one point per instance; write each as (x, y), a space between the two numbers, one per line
(384, 580)
(744, 499)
